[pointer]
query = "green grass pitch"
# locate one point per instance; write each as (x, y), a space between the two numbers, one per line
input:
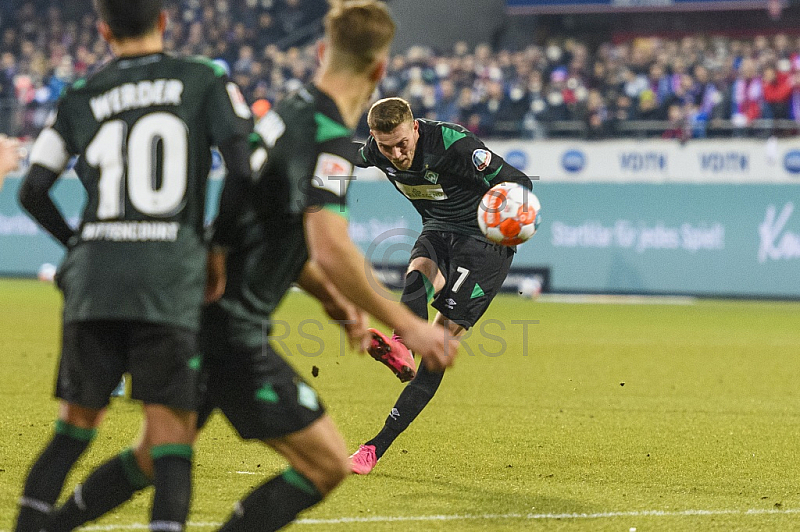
(610, 417)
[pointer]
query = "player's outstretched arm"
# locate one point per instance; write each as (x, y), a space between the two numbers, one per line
(352, 319)
(344, 264)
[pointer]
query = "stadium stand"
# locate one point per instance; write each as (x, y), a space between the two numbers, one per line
(683, 87)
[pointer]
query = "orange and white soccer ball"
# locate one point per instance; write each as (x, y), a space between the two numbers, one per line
(509, 214)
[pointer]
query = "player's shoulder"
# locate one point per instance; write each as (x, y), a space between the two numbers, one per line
(446, 137)
(369, 154)
(202, 65)
(297, 107)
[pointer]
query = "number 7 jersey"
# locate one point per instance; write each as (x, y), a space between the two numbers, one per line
(142, 128)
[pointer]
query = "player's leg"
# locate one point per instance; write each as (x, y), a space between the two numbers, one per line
(75, 428)
(164, 379)
(476, 271)
(318, 462)
(423, 279)
(110, 485)
(264, 399)
(412, 401)
(170, 434)
(118, 479)
(91, 364)
(164, 367)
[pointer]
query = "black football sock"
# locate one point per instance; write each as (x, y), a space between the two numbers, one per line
(417, 291)
(47, 475)
(104, 489)
(411, 402)
(172, 478)
(274, 504)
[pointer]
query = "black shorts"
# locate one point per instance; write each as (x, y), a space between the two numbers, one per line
(258, 391)
(159, 359)
(474, 271)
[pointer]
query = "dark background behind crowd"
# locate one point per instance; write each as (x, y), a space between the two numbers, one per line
(680, 84)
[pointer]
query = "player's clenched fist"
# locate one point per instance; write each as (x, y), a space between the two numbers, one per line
(433, 343)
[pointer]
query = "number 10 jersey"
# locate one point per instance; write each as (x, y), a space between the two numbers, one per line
(142, 128)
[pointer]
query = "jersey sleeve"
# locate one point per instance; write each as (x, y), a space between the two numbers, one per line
(54, 146)
(228, 114)
(484, 167)
(332, 175)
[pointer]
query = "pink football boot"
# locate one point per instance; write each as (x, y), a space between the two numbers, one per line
(393, 354)
(363, 460)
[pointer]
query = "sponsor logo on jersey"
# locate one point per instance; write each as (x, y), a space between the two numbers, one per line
(133, 231)
(332, 173)
(791, 162)
(422, 192)
(481, 159)
(450, 303)
(432, 176)
(394, 414)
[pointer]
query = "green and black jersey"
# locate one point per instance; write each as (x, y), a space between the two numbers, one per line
(303, 161)
(142, 128)
(451, 171)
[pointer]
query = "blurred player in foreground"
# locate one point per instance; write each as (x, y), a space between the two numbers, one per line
(10, 156)
(134, 274)
(444, 170)
(296, 230)
(298, 227)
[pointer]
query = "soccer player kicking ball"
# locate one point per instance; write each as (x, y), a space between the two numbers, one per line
(444, 170)
(134, 275)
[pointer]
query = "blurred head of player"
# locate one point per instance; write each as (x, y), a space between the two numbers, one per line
(358, 34)
(132, 27)
(394, 129)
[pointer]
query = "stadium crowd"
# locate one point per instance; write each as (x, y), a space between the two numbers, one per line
(688, 87)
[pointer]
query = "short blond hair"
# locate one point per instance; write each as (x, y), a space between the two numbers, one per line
(386, 114)
(358, 32)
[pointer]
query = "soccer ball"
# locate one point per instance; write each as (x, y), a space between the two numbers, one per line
(508, 214)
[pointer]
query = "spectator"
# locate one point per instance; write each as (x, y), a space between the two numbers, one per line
(677, 124)
(747, 94)
(777, 92)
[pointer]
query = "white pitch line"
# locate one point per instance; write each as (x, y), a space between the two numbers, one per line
(548, 516)
(477, 517)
